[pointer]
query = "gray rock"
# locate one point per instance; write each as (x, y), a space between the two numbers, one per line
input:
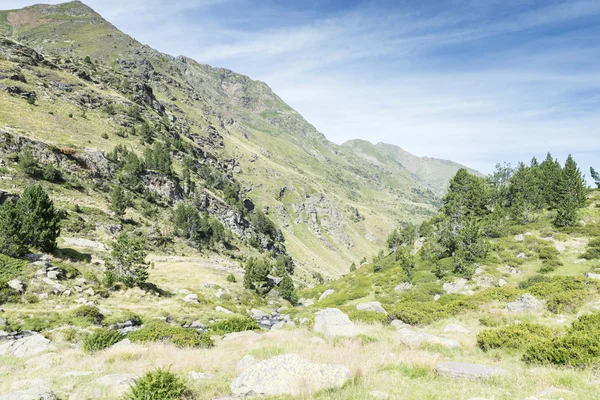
(453, 328)
(410, 337)
(45, 361)
(326, 294)
(58, 288)
(54, 275)
(398, 324)
(403, 286)
(579, 261)
(278, 326)
(30, 394)
(467, 371)
(526, 302)
(191, 298)
(17, 285)
(258, 313)
(248, 335)
(333, 322)
(306, 302)
(223, 310)
(2, 322)
(374, 306)
(520, 238)
(85, 243)
(501, 282)
(592, 275)
(460, 286)
(246, 362)
(200, 375)
(376, 394)
(27, 346)
(289, 374)
(119, 383)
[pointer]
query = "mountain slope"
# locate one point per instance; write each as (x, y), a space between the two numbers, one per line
(331, 204)
(434, 172)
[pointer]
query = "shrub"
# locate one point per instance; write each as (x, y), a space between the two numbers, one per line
(51, 173)
(100, 339)
(89, 313)
(231, 278)
(157, 331)
(8, 294)
(562, 293)
(11, 268)
(580, 347)
(368, 317)
(234, 324)
(40, 223)
(493, 321)
(593, 250)
(128, 262)
(516, 336)
(27, 163)
(160, 384)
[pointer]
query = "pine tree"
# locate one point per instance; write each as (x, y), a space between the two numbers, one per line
(287, 289)
(118, 201)
(127, 263)
(12, 241)
(27, 163)
(550, 173)
(595, 176)
(575, 182)
(40, 223)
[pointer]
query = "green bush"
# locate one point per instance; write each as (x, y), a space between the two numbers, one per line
(580, 347)
(516, 336)
(234, 324)
(11, 268)
(8, 294)
(593, 250)
(100, 339)
(562, 293)
(493, 320)
(159, 385)
(368, 317)
(89, 313)
(231, 278)
(158, 331)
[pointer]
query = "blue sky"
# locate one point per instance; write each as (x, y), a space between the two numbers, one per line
(475, 81)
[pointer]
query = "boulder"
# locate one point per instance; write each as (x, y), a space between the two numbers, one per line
(526, 302)
(256, 313)
(85, 243)
(398, 324)
(306, 302)
(460, 286)
(333, 322)
(410, 337)
(467, 371)
(30, 394)
(289, 374)
(17, 285)
(453, 328)
(403, 286)
(27, 346)
(191, 298)
(501, 282)
(592, 275)
(223, 310)
(374, 306)
(200, 375)
(246, 362)
(326, 294)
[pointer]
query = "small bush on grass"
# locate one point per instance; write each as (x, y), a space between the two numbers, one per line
(8, 294)
(593, 250)
(11, 268)
(514, 336)
(580, 347)
(100, 339)
(89, 314)
(161, 384)
(234, 324)
(368, 317)
(493, 321)
(158, 331)
(562, 293)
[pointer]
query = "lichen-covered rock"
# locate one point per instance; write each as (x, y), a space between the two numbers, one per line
(246, 362)
(333, 322)
(410, 337)
(374, 306)
(468, 371)
(326, 294)
(289, 374)
(526, 302)
(27, 346)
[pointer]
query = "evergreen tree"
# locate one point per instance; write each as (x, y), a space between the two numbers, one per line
(12, 240)
(256, 273)
(127, 263)
(118, 201)
(51, 173)
(27, 163)
(550, 174)
(574, 182)
(159, 159)
(595, 176)
(40, 223)
(287, 290)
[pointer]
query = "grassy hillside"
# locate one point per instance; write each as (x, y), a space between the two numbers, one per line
(331, 204)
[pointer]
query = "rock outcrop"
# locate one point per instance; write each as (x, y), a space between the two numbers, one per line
(468, 371)
(332, 322)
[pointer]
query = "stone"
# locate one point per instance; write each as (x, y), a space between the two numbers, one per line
(579, 261)
(278, 326)
(58, 288)
(246, 362)
(412, 338)
(467, 371)
(249, 335)
(460, 286)
(220, 293)
(289, 374)
(592, 275)
(17, 285)
(526, 302)
(332, 322)
(2, 322)
(403, 286)
(54, 275)
(67, 293)
(326, 294)
(197, 325)
(84, 243)
(521, 255)
(256, 313)
(26, 347)
(501, 282)
(30, 394)
(200, 375)
(191, 298)
(454, 328)
(45, 361)
(119, 383)
(30, 384)
(398, 324)
(520, 238)
(306, 302)
(304, 321)
(223, 310)
(376, 394)
(90, 292)
(374, 306)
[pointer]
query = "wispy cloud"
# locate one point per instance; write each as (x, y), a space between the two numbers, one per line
(477, 82)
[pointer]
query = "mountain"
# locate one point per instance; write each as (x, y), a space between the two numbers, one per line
(331, 204)
(433, 172)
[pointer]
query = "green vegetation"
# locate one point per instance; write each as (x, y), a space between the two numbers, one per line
(128, 262)
(234, 324)
(118, 201)
(158, 331)
(199, 228)
(516, 336)
(159, 384)
(100, 339)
